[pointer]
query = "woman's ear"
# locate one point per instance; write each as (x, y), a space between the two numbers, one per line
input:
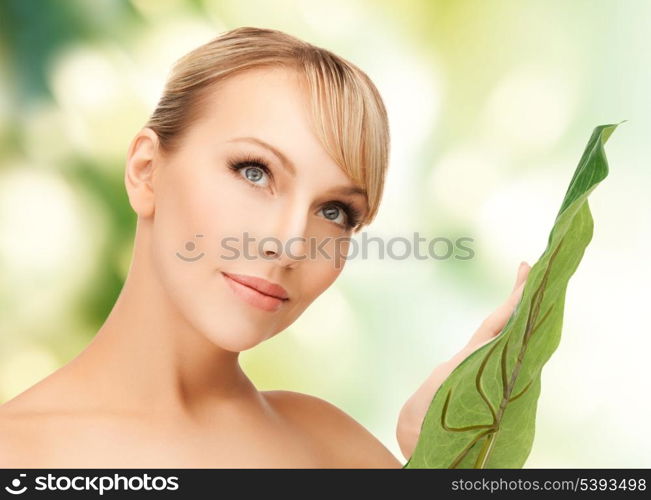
(138, 174)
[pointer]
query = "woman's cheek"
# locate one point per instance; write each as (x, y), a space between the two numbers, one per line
(318, 275)
(331, 256)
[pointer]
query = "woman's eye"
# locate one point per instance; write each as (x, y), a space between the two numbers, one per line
(254, 174)
(257, 173)
(334, 213)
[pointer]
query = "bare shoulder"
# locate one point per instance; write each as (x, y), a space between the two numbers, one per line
(7, 440)
(16, 439)
(28, 427)
(350, 443)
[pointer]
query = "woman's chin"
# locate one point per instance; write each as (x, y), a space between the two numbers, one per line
(237, 341)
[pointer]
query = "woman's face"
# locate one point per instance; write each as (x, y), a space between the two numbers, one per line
(225, 203)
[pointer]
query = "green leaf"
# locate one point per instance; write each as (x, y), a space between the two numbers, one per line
(483, 415)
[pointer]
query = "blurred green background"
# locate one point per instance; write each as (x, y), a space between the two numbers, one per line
(490, 104)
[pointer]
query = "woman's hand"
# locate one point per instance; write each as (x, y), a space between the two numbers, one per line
(413, 412)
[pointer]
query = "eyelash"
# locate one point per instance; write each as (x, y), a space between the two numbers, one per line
(353, 216)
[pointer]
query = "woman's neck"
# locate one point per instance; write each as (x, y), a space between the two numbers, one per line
(146, 356)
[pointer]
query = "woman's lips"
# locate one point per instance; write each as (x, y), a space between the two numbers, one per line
(261, 285)
(247, 288)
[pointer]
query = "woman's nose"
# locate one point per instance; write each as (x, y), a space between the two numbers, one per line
(288, 252)
(287, 244)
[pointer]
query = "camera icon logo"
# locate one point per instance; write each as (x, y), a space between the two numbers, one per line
(15, 488)
(190, 246)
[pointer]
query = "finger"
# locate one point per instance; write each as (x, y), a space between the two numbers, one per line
(516, 295)
(522, 274)
(494, 323)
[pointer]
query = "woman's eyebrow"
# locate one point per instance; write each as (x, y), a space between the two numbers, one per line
(349, 190)
(287, 163)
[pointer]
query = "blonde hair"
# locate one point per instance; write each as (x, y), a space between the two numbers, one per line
(349, 115)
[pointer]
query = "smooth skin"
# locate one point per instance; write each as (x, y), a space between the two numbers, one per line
(160, 384)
